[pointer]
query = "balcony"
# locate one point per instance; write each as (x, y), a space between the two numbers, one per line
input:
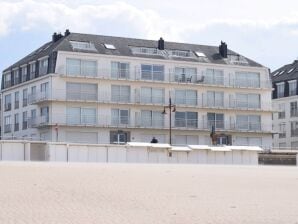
(137, 74)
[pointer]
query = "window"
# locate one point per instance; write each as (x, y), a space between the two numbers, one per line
(145, 50)
(282, 145)
(237, 59)
(78, 115)
(214, 77)
(185, 74)
(247, 79)
(16, 100)
(33, 114)
(32, 70)
(215, 120)
(281, 111)
(215, 99)
(152, 118)
(25, 97)
(293, 109)
(110, 46)
(16, 76)
(7, 124)
(186, 97)
(152, 72)
(119, 70)
(186, 140)
(292, 87)
(33, 90)
(77, 67)
(250, 141)
(120, 117)
(7, 102)
(200, 54)
(81, 45)
(294, 128)
(24, 73)
(44, 113)
(43, 66)
(7, 80)
(294, 145)
(16, 122)
(81, 91)
(282, 130)
(186, 119)
(280, 90)
(180, 53)
(119, 137)
(248, 122)
(152, 95)
(25, 120)
(247, 100)
(120, 93)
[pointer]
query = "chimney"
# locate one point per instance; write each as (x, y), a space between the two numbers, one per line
(223, 49)
(54, 37)
(161, 44)
(66, 32)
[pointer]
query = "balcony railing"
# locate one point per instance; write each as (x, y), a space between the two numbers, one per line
(168, 76)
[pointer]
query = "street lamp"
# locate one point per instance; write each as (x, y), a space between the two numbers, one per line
(172, 108)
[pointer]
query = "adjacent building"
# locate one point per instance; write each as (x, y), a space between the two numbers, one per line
(285, 99)
(102, 89)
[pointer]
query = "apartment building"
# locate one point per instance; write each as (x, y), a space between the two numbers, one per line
(102, 89)
(285, 99)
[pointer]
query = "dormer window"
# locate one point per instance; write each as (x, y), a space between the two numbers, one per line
(43, 66)
(32, 70)
(237, 59)
(81, 45)
(16, 76)
(180, 53)
(24, 73)
(145, 50)
(7, 80)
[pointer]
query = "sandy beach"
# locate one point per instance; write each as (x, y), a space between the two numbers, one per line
(146, 193)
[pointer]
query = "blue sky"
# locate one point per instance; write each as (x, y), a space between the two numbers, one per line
(265, 31)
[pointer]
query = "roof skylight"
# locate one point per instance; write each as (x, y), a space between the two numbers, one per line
(200, 54)
(276, 73)
(110, 46)
(281, 72)
(290, 70)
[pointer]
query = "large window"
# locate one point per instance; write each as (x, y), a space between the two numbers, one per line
(120, 117)
(250, 141)
(16, 100)
(81, 91)
(215, 120)
(215, 99)
(43, 66)
(83, 45)
(24, 73)
(186, 119)
(214, 77)
(119, 70)
(25, 97)
(25, 120)
(248, 122)
(152, 118)
(282, 130)
(247, 100)
(77, 67)
(16, 122)
(280, 89)
(44, 113)
(7, 102)
(32, 70)
(120, 93)
(186, 97)
(185, 74)
(292, 87)
(152, 95)
(281, 111)
(152, 72)
(7, 80)
(247, 79)
(78, 115)
(294, 128)
(16, 76)
(7, 124)
(294, 109)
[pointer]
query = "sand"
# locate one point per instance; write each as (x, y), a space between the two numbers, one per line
(146, 193)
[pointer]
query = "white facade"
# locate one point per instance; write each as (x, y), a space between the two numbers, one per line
(102, 108)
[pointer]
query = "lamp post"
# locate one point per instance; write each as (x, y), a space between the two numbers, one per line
(172, 108)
